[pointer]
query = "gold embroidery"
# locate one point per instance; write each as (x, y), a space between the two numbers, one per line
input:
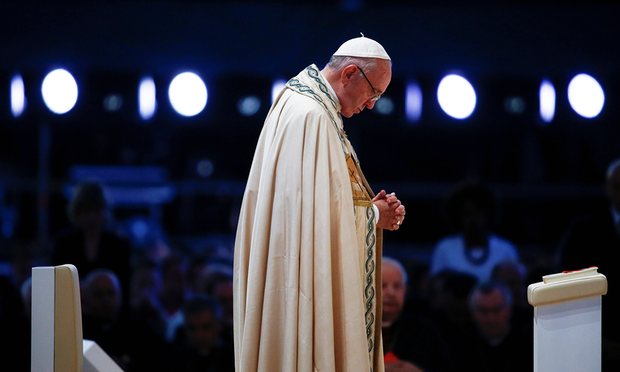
(361, 197)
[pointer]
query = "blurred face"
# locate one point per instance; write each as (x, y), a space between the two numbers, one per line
(394, 289)
(103, 298)
(361, 87)
(145, 284)
(475, 223)
(491, 314)
(202, 330)
(91, 219)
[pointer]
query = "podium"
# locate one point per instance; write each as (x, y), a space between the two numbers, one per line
(567, 321)
(57, 343)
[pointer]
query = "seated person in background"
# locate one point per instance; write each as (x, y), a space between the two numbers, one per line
(473, 248)
(129, 341)
(498, 344)
(216, 281)
(446, 295)
(90, 243)
(173, 291)
(144, 292)
(410, 343)
(199, 346)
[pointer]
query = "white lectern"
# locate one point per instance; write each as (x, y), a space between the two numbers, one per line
(567, 321)
(57, 342)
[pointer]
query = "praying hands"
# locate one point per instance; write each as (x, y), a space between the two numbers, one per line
(391, 210)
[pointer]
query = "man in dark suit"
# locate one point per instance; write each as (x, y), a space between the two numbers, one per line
(595, 241)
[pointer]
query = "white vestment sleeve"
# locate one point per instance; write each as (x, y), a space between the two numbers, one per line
(376, 214)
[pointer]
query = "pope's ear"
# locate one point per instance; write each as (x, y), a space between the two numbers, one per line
(347, 73)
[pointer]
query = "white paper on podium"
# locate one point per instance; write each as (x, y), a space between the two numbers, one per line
(567, 336)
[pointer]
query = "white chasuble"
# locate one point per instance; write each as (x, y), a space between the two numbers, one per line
(307, 266)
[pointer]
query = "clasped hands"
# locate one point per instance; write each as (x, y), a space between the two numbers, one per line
(391, 210)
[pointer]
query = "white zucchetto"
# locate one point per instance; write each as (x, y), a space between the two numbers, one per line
(362, 47)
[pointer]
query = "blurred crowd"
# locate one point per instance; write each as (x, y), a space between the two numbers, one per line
(171, 309)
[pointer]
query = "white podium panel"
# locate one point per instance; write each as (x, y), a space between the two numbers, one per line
(43, 311)
(567, 336)
(568, 321)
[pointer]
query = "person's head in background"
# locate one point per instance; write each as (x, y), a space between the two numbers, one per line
(394, 289)
(490, 305)
(612, 184)
(202, 323)
(145, 284)
(447, 294)
(89, 206)
(471, 210)
(216, 281)
(102, 296)
(173, 291)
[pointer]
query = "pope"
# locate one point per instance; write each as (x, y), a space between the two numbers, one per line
(307, 262)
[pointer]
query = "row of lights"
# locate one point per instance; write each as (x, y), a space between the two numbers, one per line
(457, 97)
(188, 96)
(187, 93)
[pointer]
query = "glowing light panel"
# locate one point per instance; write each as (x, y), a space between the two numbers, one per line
(147, 102)
(188, 94)
(60, 91)
(248, 106)
(586, 96)
(205, 168)
(384, 106)
(413, 102)
(18, 96)
(276, 88)
(546, 97)
(456, 96)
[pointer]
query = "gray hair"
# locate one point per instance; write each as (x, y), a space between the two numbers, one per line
(394, 262)
(339, 62)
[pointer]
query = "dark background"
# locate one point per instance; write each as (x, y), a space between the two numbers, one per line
(544, 175)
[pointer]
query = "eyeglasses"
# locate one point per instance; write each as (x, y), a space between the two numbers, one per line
(375, 93)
